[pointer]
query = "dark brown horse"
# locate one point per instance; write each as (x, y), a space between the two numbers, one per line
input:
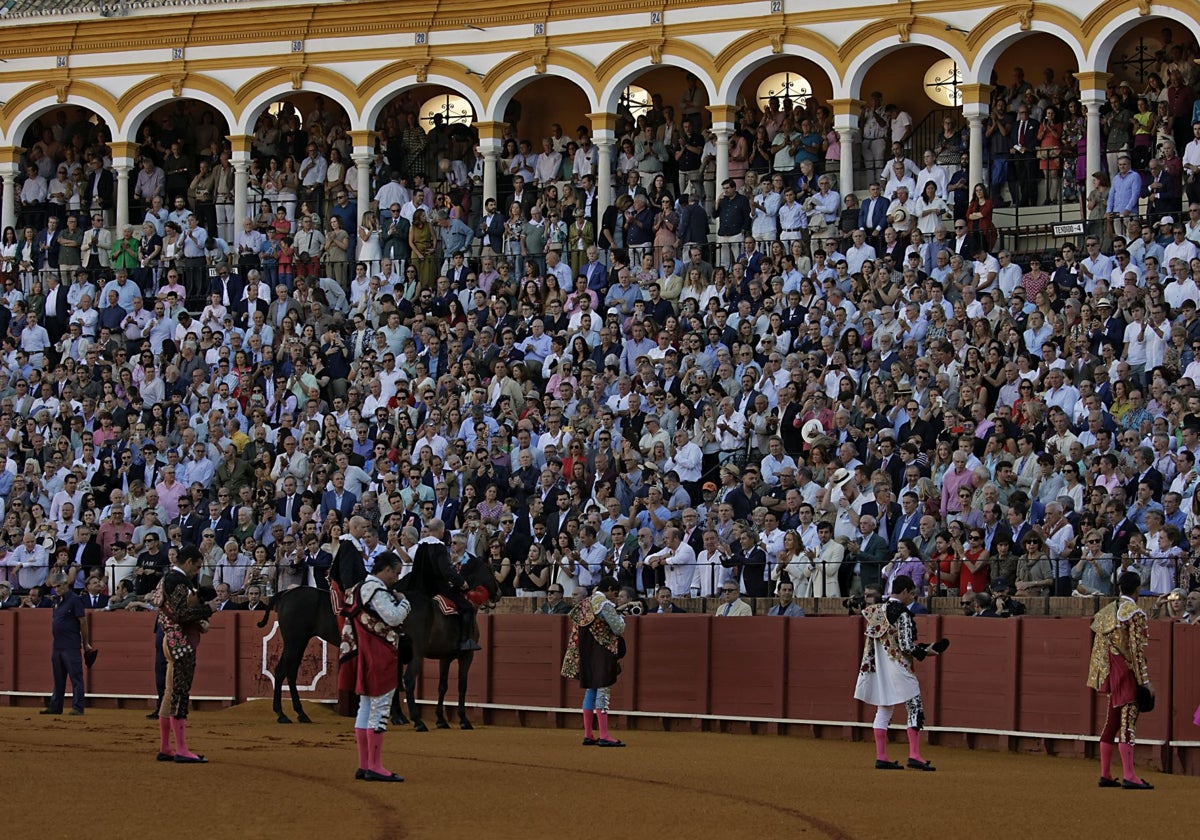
(303, 612)
(436, 636)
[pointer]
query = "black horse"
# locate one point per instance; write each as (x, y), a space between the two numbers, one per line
(303, 612)
(436, 636)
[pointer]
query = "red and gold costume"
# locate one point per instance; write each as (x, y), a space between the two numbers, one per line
(1118, 665)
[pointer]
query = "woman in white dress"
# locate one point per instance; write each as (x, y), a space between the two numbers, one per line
(369, 249)
(798, 565)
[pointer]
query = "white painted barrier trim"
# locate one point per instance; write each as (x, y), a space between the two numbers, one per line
(805, 722)
(111, 696)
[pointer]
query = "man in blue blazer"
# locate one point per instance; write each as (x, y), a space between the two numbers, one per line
(339, 498)
(906, 526)
(872, 214)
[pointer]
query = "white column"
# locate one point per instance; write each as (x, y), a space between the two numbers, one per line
(604, 165)
(1093, 100)
(723, 132)
(975, 113)
(241, 186)
(122, 166)
(363, 160)
(490, 148)
(8, 217)
(846, 126)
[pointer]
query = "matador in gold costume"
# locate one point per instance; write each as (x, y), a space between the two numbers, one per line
(1118, 668)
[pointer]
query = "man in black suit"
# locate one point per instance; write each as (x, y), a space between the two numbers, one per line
(220, 525)
(288, 505)
(556, 520)
(244, 309)
(94, 598)
(1022, 161)
(188, 522)
(491, 229)
(994, 528)
(693, 224)
(57, 309)
(223, 601)
(889, 459)
(1143, 463)
(47, 245)
(228, 286)
(85, 553)
(1019, 526)
(666, 606)
(98, 185)
(1120, 529)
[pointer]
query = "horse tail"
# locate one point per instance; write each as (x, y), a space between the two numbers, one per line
(267, 612)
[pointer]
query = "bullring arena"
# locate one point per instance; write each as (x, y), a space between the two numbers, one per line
(743, 763)
(817, 295)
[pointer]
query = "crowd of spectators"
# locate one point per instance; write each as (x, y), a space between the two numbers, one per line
(701, 391)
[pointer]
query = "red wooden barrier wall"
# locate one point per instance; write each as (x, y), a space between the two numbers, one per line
(1007, 684)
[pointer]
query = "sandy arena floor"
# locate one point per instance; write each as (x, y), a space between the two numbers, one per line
(271, 781)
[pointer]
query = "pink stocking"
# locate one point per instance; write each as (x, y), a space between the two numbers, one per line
(914, 744)
(364, 749)
(1127, 762)
(179, 726)
(375, 749)
(881, 744)
(164, 735)
(588, 732)
(1106, 754)
(602, 720)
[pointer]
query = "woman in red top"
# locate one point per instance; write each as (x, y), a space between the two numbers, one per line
(974, 568)
(979, 216)
(944, 563)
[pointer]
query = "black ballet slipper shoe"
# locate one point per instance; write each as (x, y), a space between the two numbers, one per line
(609, 742)
(917, 764)
(1139, 785)
(590, 742)
(880, 764)
(372, 776)
(1106, 782)
(183, 759)
(165, 757)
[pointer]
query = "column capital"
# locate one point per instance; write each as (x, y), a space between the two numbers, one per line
(363, 138)
(122, 165)
(1092, 80)
(240, 163)
(492, 154)
(723, 113)
(603, 121)
(976, 93)
(124, 149)
(362, 158)
(491, 130)
(10, 156)
(240, 143)
(846, 107)
(723, 130)
(975, 111)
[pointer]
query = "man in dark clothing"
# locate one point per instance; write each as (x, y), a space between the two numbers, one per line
(439, 575)
(733, 222)
(71, 637)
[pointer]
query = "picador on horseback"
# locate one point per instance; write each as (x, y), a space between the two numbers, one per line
(435, 573)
